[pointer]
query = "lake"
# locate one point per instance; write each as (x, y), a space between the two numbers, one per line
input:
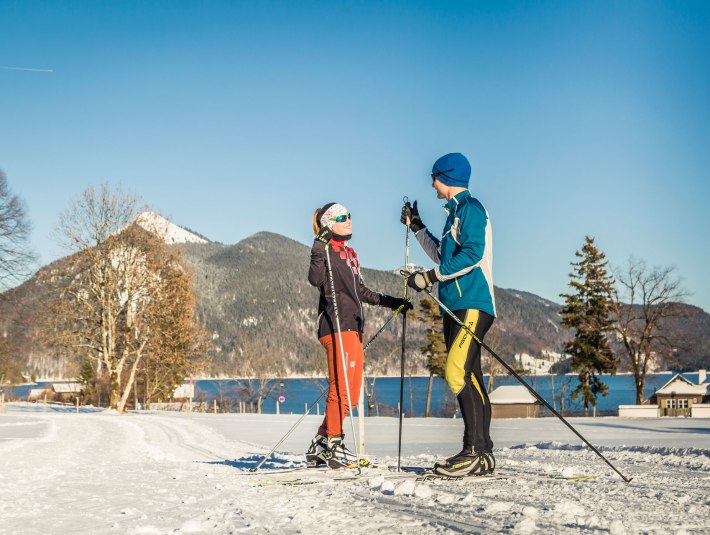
(298, 393)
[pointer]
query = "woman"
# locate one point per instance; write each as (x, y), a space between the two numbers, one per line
(332, 226)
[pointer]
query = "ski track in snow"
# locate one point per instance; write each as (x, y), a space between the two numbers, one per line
(171, 474)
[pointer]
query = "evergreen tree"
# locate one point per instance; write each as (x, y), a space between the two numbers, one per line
(586, 310)
(87, 378)
(434, 348)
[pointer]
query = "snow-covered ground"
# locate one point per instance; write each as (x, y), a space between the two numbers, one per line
(150, 473)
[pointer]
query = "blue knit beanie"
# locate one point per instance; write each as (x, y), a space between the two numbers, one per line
(453, 170)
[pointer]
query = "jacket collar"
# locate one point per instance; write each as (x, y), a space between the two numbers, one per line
(456, 200)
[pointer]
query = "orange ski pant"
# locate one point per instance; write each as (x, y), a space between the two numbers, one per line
(336, 404)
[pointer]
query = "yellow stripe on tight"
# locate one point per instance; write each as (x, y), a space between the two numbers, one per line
(456, 359)
(478, 387)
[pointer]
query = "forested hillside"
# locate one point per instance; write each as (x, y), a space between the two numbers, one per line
(260, 312)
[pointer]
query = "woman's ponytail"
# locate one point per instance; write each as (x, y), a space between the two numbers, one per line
(316, 221)
(317, 216)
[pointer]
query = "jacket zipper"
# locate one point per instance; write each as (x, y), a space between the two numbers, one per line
(362, 314)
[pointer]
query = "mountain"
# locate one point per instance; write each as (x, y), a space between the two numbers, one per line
(257, 290)
(254, 296)
(171, 233)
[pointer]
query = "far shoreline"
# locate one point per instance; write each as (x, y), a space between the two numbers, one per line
(322, 377)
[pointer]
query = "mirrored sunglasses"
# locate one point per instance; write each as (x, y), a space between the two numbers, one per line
(341, 218)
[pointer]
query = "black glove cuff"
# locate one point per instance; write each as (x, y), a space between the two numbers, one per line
(389, 301)
(431, 275)
(416, 225)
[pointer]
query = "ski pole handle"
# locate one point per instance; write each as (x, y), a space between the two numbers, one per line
(405, 201)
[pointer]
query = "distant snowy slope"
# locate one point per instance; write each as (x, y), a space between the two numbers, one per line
(171, 233)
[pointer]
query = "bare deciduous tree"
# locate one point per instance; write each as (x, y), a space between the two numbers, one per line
(641, 300)
(374, 370)
(15, 257)
(123, 297)
(260, 368)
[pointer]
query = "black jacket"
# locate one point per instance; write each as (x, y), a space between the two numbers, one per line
(350, 289)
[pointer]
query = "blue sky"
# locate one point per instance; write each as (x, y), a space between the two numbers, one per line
(235, 117)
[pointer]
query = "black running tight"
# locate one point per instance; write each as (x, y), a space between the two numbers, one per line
(465, 378)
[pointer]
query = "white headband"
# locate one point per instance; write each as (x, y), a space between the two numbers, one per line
(326, 219)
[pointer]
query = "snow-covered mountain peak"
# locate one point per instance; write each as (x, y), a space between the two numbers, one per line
(170, 232)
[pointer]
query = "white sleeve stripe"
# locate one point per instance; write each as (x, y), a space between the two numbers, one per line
(460, 273)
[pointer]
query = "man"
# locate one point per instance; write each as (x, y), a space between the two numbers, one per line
(465, 276)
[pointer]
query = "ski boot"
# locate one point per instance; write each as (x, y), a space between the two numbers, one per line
(343, 451)
(318, 445)
(465, 463)
(338, 456)
(491, 460)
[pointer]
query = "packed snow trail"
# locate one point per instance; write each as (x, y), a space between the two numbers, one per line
(158, 473)
(94, 473)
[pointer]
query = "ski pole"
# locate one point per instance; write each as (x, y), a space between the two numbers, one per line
(317, 401)
(525, 384)
(343, 356)
(404, 345)
(322, 394)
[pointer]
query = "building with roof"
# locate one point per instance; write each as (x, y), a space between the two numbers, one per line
(513, 401)
(65, 391)
(679, 397)
(67, 387)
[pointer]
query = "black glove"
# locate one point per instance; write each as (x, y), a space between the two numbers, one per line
(421, 280)
(324, 235)
(394, 303)
(412, 212)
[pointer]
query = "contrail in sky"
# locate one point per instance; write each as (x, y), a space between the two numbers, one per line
(25, 69)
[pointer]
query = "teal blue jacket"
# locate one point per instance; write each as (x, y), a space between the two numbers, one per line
(464, 255)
